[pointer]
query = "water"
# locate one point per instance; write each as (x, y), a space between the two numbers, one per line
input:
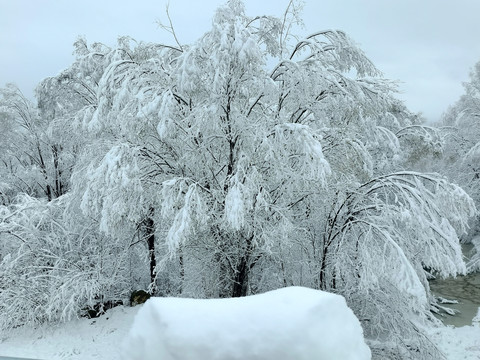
(464, 289)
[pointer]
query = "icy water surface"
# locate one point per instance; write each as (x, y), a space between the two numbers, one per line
(464, 289)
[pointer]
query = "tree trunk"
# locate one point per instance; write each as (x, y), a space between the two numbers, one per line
(182, 268)
(323, 269)
(150, 236)
(58, 171)
(240, 286)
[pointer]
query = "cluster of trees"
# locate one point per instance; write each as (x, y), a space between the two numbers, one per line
(243, 162)
(460, 157)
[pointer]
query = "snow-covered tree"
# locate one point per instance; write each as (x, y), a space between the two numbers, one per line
(463, 152)
(54, 262)
(24, 156)
(37, 151)
(232, 146)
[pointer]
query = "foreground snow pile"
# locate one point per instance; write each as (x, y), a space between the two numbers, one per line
(290, 324)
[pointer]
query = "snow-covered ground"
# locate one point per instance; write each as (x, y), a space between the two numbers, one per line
(99, 338)
(462, 343)
(103, 339)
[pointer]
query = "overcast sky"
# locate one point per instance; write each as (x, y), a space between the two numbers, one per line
(428, 45)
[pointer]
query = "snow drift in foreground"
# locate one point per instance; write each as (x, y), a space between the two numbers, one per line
(292, 323)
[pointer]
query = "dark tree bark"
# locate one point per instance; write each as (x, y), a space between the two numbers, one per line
(59, 188)
(150, 237)
(245, 265)
(240, 285)
(43, 167)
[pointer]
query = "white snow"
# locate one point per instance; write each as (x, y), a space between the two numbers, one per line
(458, 343)
(101, 338)
(476, 319)
(235, 206)
(81, 339)
(292, 323)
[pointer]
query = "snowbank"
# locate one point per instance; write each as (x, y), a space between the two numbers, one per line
(290, 324)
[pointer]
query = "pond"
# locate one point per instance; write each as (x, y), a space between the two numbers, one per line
(464, 289)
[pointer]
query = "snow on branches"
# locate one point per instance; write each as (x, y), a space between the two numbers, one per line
(52, 265)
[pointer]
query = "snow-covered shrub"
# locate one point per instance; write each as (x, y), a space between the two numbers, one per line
(56, 265)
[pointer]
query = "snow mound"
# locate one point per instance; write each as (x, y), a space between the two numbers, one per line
(292, 323)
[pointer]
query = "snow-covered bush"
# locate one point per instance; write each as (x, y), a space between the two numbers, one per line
(55, 267)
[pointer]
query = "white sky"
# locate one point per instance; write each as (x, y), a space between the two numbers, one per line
(428, 45)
